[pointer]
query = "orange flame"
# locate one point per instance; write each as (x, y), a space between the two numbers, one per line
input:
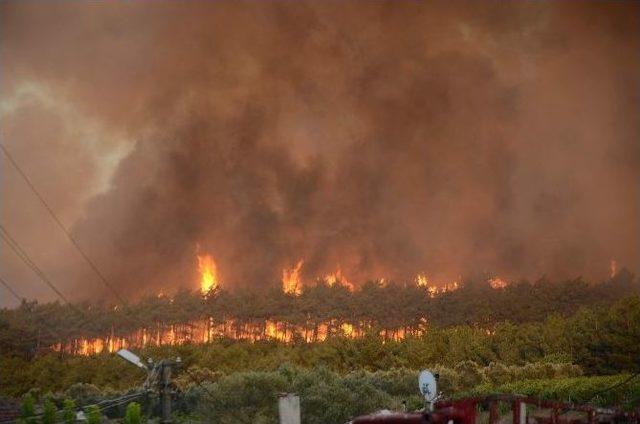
(338, 278)
(613, 267)
(347, 329)
(208, 273)
(291, 279)
(498, 283)
(423, 281)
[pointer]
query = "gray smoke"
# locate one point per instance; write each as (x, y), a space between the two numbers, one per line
(387, 138)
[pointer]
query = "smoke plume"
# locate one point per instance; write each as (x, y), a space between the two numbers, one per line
(384, 138)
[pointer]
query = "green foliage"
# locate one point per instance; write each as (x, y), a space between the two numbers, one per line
(83, 393)
(468, 373)
(373, 308)
(327, 396)
(69, 411)
(341, 377)
(573, 389)
(462, 352)
(133, 414)
(49, 412)
(94, 416)
(27, 408)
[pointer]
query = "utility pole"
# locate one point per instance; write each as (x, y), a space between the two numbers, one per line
(165, 390)
(158, 375)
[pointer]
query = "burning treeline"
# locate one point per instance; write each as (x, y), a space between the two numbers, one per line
(382, 138)
(271, 328)
(331, 306)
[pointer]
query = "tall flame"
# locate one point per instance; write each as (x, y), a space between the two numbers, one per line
(613, 268)
(291, 279)
(338, 278)
(208, 273)
(422, 280)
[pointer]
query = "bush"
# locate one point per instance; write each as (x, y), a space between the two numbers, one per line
(27, 408)
(469, 375)
(84, 393)
(49, 412)
(94, 416)
(134, 414)
(574, 389)
(69, 411)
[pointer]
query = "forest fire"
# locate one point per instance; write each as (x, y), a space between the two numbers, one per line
(208, 273)
(338, 278)
(434, 290)
(208, 330)
(498, 283)
(291, 283)
(195, 319)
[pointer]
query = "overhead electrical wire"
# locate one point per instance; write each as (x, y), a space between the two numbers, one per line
(59, 223)
(50, 329)
(19, 251)
(22, 254)
(11, 290)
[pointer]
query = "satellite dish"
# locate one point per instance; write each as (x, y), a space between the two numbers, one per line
(428, 386)
(131, 357)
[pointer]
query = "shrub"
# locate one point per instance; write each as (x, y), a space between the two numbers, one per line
(27, 409)
(84, 393)
(49, 413)
(134, 414)
(69, 411)
(94, 416)
(469, 375)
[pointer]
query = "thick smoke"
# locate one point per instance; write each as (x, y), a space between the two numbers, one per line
(387, 138)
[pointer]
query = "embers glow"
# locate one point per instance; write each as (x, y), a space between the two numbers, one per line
(208, 273)
(291, 283)
(498, 283)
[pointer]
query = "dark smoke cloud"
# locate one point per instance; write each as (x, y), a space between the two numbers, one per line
(387, 138)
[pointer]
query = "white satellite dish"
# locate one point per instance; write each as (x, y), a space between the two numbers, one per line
(428, 386)
(131, 357)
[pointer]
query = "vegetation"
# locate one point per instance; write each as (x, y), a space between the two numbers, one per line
(564, 341)
(93, 415)
(374, 308)
(68, 411)
(27, 409)
(133, 414)
(573, 389)
(49, 413)
(328, 397)
(333, 397)
(602, 340)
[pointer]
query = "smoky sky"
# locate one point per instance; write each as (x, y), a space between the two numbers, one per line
(384, 138)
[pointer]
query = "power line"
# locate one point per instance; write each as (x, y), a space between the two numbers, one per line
(15, 246)
(8, 287)
(61, 226)
(51, 331)
(20, 252)
(614, 386)
(24, 256)
(192, 378)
